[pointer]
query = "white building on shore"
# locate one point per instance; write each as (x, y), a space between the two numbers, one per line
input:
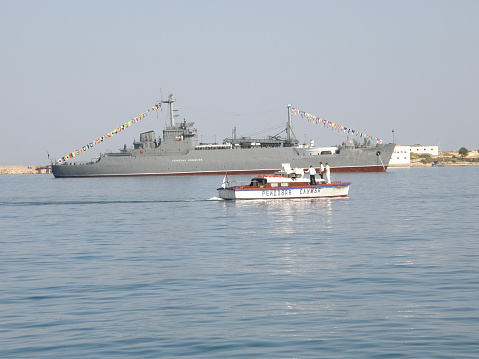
(402, 154)
(425, 150)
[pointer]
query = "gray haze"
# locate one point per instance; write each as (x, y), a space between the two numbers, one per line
(72, 71)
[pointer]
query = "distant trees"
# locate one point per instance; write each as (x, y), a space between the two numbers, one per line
(426, 158)
(463, 152)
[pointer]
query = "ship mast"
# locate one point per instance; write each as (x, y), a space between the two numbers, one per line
(170, 109)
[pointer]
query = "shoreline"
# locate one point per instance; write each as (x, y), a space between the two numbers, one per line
(419, 164)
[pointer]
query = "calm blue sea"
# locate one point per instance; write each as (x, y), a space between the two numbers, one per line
(160, 267)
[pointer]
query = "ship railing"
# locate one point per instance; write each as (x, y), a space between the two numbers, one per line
(334, 180)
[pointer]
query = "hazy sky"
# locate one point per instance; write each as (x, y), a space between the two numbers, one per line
(72, 71)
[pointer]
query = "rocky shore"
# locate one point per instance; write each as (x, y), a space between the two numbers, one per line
(449, 158)
(22, 170)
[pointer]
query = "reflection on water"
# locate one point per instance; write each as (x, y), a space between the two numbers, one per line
(295, 235)
(288, 216)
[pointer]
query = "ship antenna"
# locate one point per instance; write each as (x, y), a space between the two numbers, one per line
(288, 126)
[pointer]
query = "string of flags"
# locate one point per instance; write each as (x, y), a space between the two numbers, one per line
(331, 125)
(109, 134)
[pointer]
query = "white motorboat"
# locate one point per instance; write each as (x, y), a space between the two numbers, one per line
(285, 184)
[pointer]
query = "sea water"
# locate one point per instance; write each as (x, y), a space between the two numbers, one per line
(158, 267)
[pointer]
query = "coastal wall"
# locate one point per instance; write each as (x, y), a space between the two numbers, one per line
(22, 170)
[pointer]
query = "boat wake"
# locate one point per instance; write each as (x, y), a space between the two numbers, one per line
(89, 203)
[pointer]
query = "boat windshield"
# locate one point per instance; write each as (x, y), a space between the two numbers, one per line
(255, 182)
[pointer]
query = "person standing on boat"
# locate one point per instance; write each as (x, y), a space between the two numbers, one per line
(327, 170)
(312, 175)
(321, 169)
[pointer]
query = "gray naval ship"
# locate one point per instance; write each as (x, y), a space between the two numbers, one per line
(180, 153)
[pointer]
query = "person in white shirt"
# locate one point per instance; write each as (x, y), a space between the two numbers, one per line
(321, 169)
(328, 173)
(312, 175)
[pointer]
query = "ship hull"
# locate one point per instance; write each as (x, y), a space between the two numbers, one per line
(222, 161)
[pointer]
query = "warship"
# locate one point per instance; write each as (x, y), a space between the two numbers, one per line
(179, 152)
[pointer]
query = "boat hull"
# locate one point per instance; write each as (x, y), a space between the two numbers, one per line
(332, 190)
